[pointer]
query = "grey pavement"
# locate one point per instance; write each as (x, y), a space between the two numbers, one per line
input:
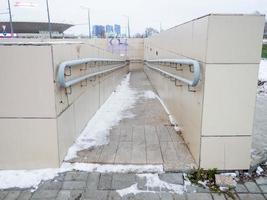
(103, 186)
(146, 138)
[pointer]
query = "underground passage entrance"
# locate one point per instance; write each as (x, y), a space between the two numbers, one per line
(208, 85)
(146, 137)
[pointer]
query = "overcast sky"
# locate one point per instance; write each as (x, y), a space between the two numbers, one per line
(142, 13)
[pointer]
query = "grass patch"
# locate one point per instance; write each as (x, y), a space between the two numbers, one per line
(264, 51)
(206, 178)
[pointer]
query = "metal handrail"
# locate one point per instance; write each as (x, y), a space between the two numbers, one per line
(189, 62)
(70, 63)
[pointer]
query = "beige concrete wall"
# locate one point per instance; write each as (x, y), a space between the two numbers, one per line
(38, 119)
(133, 51)
(217, 119)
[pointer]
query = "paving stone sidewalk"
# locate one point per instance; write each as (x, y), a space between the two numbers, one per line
(145, 138)
(102, 186)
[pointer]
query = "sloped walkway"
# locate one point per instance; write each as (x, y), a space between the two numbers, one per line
(146, 138)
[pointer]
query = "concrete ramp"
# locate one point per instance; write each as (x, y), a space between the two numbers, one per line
(146, 138)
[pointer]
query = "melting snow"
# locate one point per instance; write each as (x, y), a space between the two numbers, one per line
(263, 71)
(110, 113)
(113, 168)
(262, 88)
(32, 178)
(26, 178)
(153, 181)
(259, 170)
(149, 94)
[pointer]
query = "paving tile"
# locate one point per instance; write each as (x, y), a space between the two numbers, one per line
(25, 195)
(92, 180)
(163, 134)
(261, 181)
(179, 196)
(251, 196)
(230, 198)
(166, 196)
(108, 153)
(44, 199)
(124, 153)
(3, 194)
(69, 195)
(174, 178)
(120, 181)
(51, 185)
(95, 195)
(263, 188)
(168, 152)
(199, 196)
(194, 188)
(114, 135)
(114, 196)
(252, 187)
(12, 195)
(138, 134)
(139, 153)
(151, 135)
(45, 194)
(183, 154)
(126, 134)
(153, 154)
(172, 166)
(147, 196)
(218, 196)
(73, 185)
(105, 181)
(141, 183)
(240, 188)
(76, 176)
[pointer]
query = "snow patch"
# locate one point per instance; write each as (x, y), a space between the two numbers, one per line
(26, 178)
(110, 113)
(263, 70)
(233, 175)
(259, 170)
(149, 94)
(152, 181)
(262, 84)
(114, 168)
(133, 189)
(32, 178)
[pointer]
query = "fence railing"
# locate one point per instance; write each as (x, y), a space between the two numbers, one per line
(115, 65)
(174, 62)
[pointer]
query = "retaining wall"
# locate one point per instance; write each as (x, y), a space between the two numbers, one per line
(217, 119)
(38, 119)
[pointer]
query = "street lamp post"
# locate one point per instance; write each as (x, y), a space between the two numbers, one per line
(49, 22)
(89, 20)
(129, 28)
(128, 25)
(10, 19)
